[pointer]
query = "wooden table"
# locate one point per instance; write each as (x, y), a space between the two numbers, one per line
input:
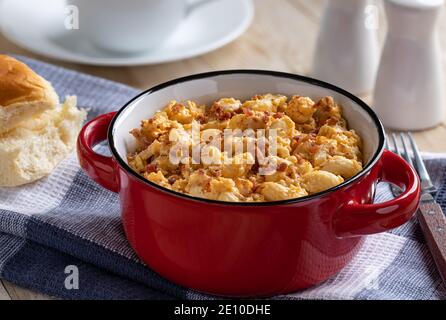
(282, 37)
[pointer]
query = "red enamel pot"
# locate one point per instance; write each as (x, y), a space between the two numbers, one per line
(245, 249)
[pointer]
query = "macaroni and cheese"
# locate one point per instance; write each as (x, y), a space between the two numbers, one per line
(268, 148)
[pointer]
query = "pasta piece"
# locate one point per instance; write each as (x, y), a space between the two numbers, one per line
(273, 191)
(300, 109)
(184, 114)
(158, 178)
(239, 166)
(285, 127)
(317, 181)
(268, 103)
(342, 166)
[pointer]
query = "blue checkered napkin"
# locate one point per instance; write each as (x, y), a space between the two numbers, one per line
(67, 219)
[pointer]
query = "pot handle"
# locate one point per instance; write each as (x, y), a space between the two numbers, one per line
(98, 167)
(356, 219)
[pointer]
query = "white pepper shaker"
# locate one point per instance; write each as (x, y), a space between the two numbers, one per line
(409, 92)
(347, 50)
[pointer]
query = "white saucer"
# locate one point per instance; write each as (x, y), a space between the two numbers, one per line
(40, 28)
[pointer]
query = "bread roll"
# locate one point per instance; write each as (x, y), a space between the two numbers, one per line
(23, 93)
(33, 148)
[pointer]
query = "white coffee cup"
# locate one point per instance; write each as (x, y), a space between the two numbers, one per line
(131, 25)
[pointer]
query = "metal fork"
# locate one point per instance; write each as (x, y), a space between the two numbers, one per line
(430, 215)
(410, 146)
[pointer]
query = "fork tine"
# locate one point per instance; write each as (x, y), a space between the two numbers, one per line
(386, 143)
(406, 149)
(395, 144)
(391, 145)
(421, 168)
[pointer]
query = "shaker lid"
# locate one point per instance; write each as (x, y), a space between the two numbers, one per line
(418, 4)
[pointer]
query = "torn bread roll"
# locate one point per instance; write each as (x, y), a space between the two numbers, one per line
(23, 93)
(41, 136)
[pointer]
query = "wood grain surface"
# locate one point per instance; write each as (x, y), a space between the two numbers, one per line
(433, 223)
(282, 37)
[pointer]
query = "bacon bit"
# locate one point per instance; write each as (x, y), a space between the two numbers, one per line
(325, 104)
(220, 113)
(143, 145)
(314, 149)
(265, 119)
(177, 107)
(257, 97)
(255, 167)
(153, 167)
(136, 133)
(253, 182)
(215, 172)
(319, 121)
(331, 121)
(173, 179)
(248, 112)
(201, 118)
(157, 135)
(282, 167)
(207, 186)
(278, 115)
(225, 116)
(238, 111)
(297, 138)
